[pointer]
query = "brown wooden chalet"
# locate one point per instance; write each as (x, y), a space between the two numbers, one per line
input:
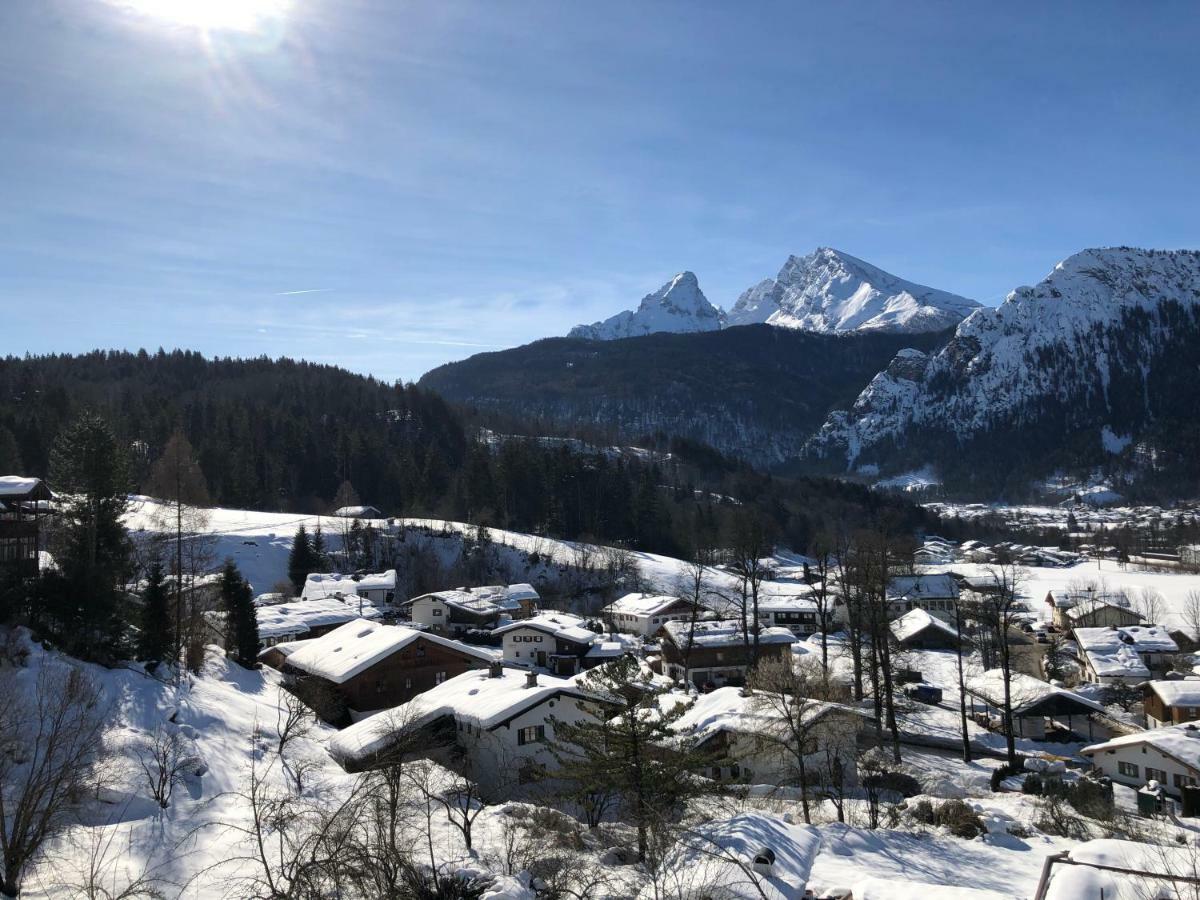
(23, 503)
(718, 653)
(371, 666)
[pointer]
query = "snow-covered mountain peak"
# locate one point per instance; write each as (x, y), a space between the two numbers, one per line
(678, 306)
(1099, 318)
(832, 291)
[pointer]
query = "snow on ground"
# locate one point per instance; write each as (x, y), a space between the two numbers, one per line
(259, 543)
(1106, 575)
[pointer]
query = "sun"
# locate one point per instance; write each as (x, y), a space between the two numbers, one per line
(212, 15)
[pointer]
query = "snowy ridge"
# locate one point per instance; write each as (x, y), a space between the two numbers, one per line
(831, 291)
(678, 306)
(1058, 341)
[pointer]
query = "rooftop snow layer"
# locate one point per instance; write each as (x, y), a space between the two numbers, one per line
(356, 646)
(300, 616)
(1117, 651)
(1027, 691)
(641, 604)
(474, 697)
(333, 584)
(561, 625)
(1185, 692)
(724, 633)
(917, 620)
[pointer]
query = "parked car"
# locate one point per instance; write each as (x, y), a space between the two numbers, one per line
(924, 692)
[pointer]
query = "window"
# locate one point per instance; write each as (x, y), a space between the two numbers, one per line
(439, 677)
(408, 682)
(1158, 775)
(420, 650)
(531, 734)
(1127, 769)
(437, 612)
(1181, 780)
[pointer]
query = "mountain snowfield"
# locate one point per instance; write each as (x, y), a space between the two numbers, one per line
(826, 291)
(1100, 317)
(679, 306)
(830, 291)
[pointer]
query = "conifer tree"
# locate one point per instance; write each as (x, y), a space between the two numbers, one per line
(154, 640)
(301, 561)
(81, 602)
(605, 756)
(241, 620)
(320, 552)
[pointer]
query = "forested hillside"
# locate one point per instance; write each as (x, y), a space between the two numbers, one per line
(284, 435)
(754, 392)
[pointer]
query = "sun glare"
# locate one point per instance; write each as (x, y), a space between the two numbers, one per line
(212, 15)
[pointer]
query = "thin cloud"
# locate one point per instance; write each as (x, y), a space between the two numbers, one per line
(308, 291)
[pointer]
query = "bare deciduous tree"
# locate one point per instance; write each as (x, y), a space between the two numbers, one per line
(164, 762)
(51, 732)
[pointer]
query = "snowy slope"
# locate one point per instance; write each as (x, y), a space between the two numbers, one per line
(678, 306)
(1061, 342)
(831, 291)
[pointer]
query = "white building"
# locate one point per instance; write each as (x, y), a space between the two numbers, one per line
(1128, 654)
(296, 620)
(796, 613)
(936, 593)
(645, 614)
(559, 642)
(501, 719)
(1170, 756)
(462, 609)
(744, 735)
(378, 589)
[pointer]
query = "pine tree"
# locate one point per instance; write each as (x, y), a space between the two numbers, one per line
(320, 552)
(620, 756)
(154, 640)
(81, 602)
(301, 561)
(241, 619)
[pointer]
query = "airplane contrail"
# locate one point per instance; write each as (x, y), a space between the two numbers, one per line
(309, 291)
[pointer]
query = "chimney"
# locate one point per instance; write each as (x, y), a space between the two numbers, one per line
(495, 669)
(764, 861)
(530, 679)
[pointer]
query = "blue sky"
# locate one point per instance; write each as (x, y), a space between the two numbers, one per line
(390, 185)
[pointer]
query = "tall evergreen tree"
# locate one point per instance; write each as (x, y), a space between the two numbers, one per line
(605, 756)
(154, 640)
(302, 560)
(241, 620)
(81, 602)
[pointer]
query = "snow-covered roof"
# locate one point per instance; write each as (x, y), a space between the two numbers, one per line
(893, 889)
(1085, 606)
(610, 646)
(358, 512)
(475, 697)
(1027, 691)
(931, 585)
(723, 633)
(917, 620)
(333, 584)
(717, 859)
(1184, 692)
(1117, 651)
(19, 487)
(300, 616)
(561, 625)
(1072, 882)
(786, 603)
(486, 599)
(1181, 742)
(730, 709)
(353, 648)
(641, 604)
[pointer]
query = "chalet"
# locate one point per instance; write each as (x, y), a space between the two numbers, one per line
(378, 589)
(796, 613)
(936, 593)
(645, 614)
(919, 630)
(1169, 755)
(1040, 709)
(463, 609)
(23, 503)
(561, 643)
(743, 736)
(1124, 655)
(500, 721)
(1090, 609)
(358, 512)
(295, 620)
(1171, 702)
(718, 653)
(372, 666)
